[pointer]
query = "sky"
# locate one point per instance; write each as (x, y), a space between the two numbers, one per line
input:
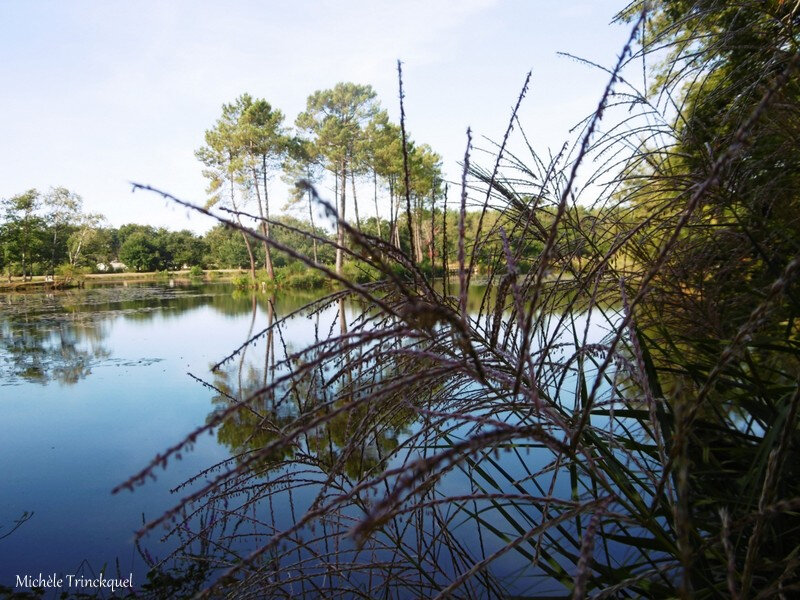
(97, 94)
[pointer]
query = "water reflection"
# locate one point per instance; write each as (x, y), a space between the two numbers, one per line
(42, 347)
(97, 386)
(316, 436)
(250, 381)
(67, 337)
(59, 337)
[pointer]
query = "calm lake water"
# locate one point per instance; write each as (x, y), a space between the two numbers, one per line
(93, 383)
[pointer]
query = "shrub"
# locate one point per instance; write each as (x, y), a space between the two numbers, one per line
(243, 280)
(70, 272)
(360, 272)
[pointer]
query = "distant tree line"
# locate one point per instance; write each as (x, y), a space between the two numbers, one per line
(39, 236)
(343, 135)
(33, 241)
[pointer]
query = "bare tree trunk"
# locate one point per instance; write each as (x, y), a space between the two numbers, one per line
(342, 317)
(265, 223)
(73, 256)
(396, 224)
(433, 215)
(391, 211)
(24, 250)
(355, 201)
(249, 251)
(311, 219)
(416, 221)
(261, 214)
(53, 257)
(244, 235)
(445, 274)
(375, 198)
(340, 230)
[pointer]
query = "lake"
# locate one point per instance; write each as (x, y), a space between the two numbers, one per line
(95, 382)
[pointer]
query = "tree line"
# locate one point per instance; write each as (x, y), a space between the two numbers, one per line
(343, 135)
(48, 233)
(677, 425)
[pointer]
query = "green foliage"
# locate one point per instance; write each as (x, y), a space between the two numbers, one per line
(71, 272)
(62, 208)
(300, 242)
(23, 233)
(89, 244)
(226, 248)
(428, 269)
(38, 268)
(335, 119)
(243, 281)
(183, 248)
(347, 133)
(719, 321)
(360, 272)
(144, 248)
(246, 143)
(296, 276)
(222, 153)
(141, 253)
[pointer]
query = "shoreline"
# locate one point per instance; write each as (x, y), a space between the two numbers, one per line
(40, 283)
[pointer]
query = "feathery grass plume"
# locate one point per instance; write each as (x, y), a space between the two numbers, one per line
(610, 416)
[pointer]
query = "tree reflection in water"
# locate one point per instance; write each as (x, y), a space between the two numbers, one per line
(260, 395)
(37, 347)
(312, 445)
(60, 336)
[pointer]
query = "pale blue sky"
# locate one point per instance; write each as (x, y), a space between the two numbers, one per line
(95, 94)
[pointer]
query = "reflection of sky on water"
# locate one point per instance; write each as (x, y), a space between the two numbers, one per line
(482, 473)
(92, 384)
(125, 353)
